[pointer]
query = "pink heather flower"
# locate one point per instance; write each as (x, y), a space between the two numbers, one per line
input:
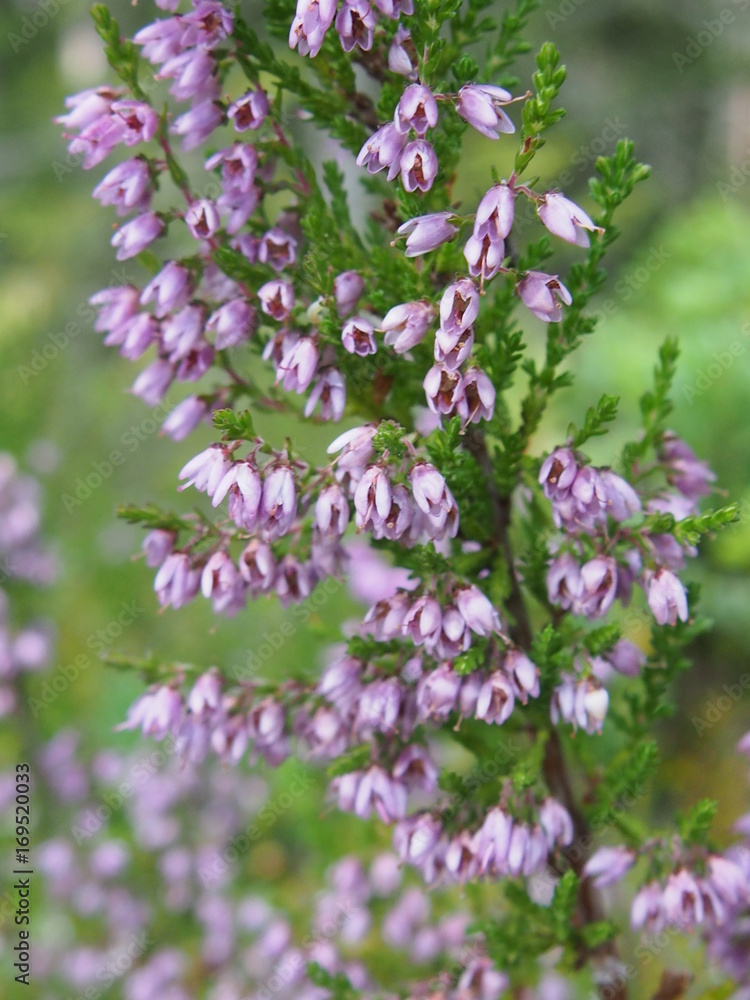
(161, 40)
(666, 597)
(478, 400)
(176, 583)
(193, 74)
(347, 290)
(622, 500)
(355, 22)
(257, 566)
(430, 489)
(221, 582)
(647, 909)
(405, 325)
(205, 694)
(182, 332)
(157, 712)
(97, 140)
(232, 324)
(608, 865)
(565, 219)
(419, 166)
(299, 365)
(197, 124)
(399, 60)
(242, 484)
(564, 584)
(202, 219)
(427, 232)
(116, 307)
(157, 545)
(626, 658)
(249, 111)
(481, 979)
(277, 248)
(599, 586)
(206, 470)
(437, 693)
(276, 298)
(524, 675)
(378, 708)
(423, 621)
(444, 389)
(591, 703)
(496, 699)
(239, 163)
(543, 294)
(383, 149)
(355, 446)
(207, 25)
(484, 256)
(127, 187)
(480, 104)
(140, 333)
(184, 418)
(683, 901)
(136, 235)
(372, 498)
(310, 24)
(170, 288)
(332, 511)
(278, 507)
(684, 470)
(494, 216)
(358, 337)
(415, 838)
(459, 307)
(386, 616)
(416, 109)
(379, 790)
(557, 473)
(86, 107)
(395, 8)
(477, 610)
(728, 880)
(153, 382)
(555, 820)
(330, 392)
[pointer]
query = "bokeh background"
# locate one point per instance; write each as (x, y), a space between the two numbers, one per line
(673, 75)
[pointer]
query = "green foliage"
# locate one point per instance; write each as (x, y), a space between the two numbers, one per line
(696, 826)
(597, 416)
(150, 516)
(121, 55)
(655, 407)
(234, 426)
(538, 113)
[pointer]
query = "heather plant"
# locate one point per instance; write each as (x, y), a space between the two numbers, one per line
(504, 584)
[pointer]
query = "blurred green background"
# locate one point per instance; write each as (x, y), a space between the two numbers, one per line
(673, 76)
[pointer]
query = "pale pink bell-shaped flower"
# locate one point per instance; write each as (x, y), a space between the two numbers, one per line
(311, 22)
(543, 295)
(427, 232)
(136, 235)
(418, 165)
(405, 325)
(417, 109)
(355, 23)
(565, 219)
(608, 865)
(666, 597)
(249, 111)
(481, 105)
(383, 149)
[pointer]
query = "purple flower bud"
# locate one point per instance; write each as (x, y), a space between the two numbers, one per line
(427, 232)
(355, 446)
(347, 289)
(170, 288)
(481, 106)
(331, 511)
(418, 165)
(622, 500)
(558, 472)
(153, 382)
(242, 484)
(437, 693)
(221, 582)
(136, 235)
(599, 586)
(386, 617)
(206, 470)
(197, 124)
(524, 675)
(278, 507)
(459, 307)
(232, 324)
(430, 490)
(460, 860)
(415, 838)
(358, 337)
(626, 658)
(193, 74)
(556, 822)
(608, 865)
(378, 708)
(383, 149)
(276, 299)
(86, 107)
(481, 979)
(355, 22)
(157, 712)
(543, 295)
(682, 900)
(378, 789)
(116, 306)
(202, 219)
(157, 545)
(666, 597)
(444, 389)
(184, 418)
(278, 249)
(140, 333)
(590, 706)
(400, 517)
(372, 498)
(183, 332)
(239, 163)
(257, 566)
(478, 401)
(207, 25)
(415, 768)
(423, 621)
(416, 109)
(494, 216)
(176, 583)
(205, 693)
(451, 353)
(160, 40)
(399, 60)
(684, 471)
(127, 187)
(250, 110)
(484, 256)
(477, 610)
(299, 365)
(728, 880)
(405, 325)
(647, 909)
(310, 24)
(565, 219)
(496, 700)
(330, 392)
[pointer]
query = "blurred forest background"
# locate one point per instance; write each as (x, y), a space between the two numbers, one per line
(674, 75)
